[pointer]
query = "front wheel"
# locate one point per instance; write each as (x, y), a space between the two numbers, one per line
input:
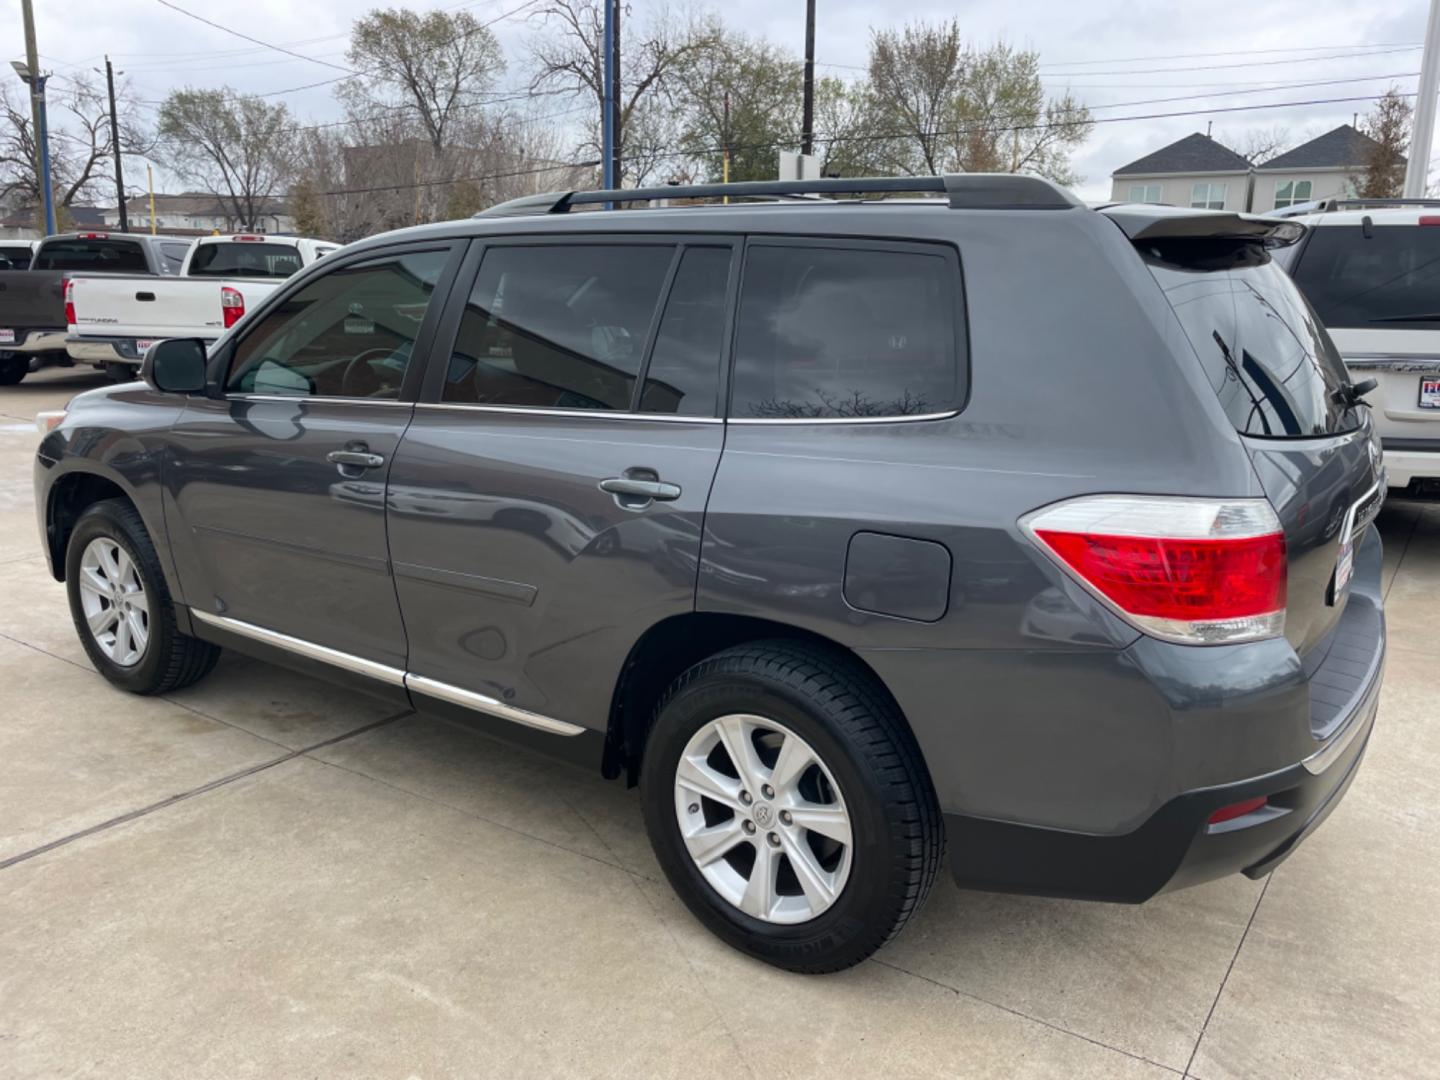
(121, 607)
(788, 805)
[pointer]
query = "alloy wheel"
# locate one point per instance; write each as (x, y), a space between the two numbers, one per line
(763, 818)
(112, 595)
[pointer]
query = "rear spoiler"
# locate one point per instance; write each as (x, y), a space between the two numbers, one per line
(1148, 222)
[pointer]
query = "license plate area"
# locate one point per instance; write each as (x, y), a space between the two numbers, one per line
(7, 337)
(1361, 513)
(1430, 392)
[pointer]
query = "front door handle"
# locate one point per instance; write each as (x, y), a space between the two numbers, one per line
(641, 489)
(361, 458)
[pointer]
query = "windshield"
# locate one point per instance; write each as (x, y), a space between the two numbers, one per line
(93, 256)
(1392, 278)
(244, 259)
(1268, 357)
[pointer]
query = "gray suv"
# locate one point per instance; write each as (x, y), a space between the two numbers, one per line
(842, 524)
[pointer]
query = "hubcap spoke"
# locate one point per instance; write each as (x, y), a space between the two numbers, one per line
(828, 821)
(707, 844)
(792, 761)
(698, 777)
(102, 620)
(759, 895)
(734, 732)
(109, 562)
(124, 572)
(814, 881)
(138, 633)
(91, 581)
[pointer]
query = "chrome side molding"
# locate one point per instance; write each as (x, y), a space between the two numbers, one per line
(392, 676)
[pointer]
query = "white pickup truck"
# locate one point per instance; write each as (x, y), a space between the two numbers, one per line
(115, 318)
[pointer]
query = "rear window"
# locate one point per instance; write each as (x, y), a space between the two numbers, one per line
(174, 256)
(93, 256)
(839, 332)
(1393, 278)
(232, 259)
(1269, 359)
(14, 258)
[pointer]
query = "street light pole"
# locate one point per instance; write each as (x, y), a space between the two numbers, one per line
(36, 81)
(1417, 168)
(115, 145)
(807, 123)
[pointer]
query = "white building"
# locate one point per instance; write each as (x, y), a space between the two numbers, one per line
(1197, 171)
(196, 212)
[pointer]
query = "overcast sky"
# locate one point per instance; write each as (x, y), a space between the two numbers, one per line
(1096, 48)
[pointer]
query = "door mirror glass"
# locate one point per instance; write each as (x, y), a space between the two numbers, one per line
(175, 366)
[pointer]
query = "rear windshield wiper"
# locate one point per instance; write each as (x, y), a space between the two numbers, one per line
(1432, 316)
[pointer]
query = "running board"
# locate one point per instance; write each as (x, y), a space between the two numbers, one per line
(409, 680)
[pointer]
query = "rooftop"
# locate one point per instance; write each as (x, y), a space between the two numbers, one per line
(1195, 153)
(1341, 148)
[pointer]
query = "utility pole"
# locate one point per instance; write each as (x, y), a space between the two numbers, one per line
(807, 124)
(1417, 168)
(617, 134)
(607, 100)
(725, 140)
(32, 76)
(115, 144)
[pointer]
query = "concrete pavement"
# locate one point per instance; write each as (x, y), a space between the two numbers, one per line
(265, 876)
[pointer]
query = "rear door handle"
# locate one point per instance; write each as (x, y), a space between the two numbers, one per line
(144, 296)
(643, 489)
(362, 458)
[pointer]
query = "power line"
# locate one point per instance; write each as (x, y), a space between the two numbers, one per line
(1247, 64)
(1242, 52)
(247, 37)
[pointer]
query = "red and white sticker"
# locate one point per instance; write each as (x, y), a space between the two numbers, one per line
(143, 344)
(7, 337)
(1429, 392)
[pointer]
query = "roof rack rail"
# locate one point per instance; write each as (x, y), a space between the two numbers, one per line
(964, 191)
(1325, 206)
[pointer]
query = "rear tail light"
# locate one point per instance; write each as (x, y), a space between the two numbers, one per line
(69, 302)
(94, 236)
(1197, 571)
(232, 305)
(248, 239)
(1429, 219)
(1236, 810)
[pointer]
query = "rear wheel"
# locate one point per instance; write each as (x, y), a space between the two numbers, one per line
(121, 607)
(117, 372)
(13, 368)
(788, 805)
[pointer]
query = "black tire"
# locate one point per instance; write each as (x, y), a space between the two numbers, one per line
(171, 659)
(117, 372)
(13, 368)
(835, 706)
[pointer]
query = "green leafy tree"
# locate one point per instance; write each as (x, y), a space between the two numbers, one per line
(742, 94)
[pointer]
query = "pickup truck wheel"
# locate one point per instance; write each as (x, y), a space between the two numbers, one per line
(13, 368)
(789, 807)
(121, 607)
(117, 372)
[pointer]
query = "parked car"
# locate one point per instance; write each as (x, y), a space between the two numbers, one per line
(16, 254)
(842, 527)
(32, 301)
(114, 319)
(1371, 268)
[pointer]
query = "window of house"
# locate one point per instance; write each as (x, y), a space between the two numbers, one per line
(1207, 197)
(838, 333)
(348, 333)
(1291, 193)
(1145, 193)
(558, 326)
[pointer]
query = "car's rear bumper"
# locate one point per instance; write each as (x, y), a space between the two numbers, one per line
(1408, 459)
(1176, 846)
(102, 350)
(37, 341)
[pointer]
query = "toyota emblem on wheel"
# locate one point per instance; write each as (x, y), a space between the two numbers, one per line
(764, 816)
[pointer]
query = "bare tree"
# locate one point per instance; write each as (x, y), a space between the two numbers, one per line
(236, 147)
(440, 65)
(1383, 172)
(1259, 145)
(81, 150)
(569, 59)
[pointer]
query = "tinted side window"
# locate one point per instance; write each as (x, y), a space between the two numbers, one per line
(1390, 280)
(174, 256)
(684, 371)
(839, 332)
(557, 326)
(16, 258)
(239, 258)
(95, 256)
(348, 333)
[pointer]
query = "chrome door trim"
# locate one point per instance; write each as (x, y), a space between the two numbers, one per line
(392, 676)
(580, 414)
(481, 703)
(308, 649)
(887, 419)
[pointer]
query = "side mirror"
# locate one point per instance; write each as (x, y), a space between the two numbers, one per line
(175, 366)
